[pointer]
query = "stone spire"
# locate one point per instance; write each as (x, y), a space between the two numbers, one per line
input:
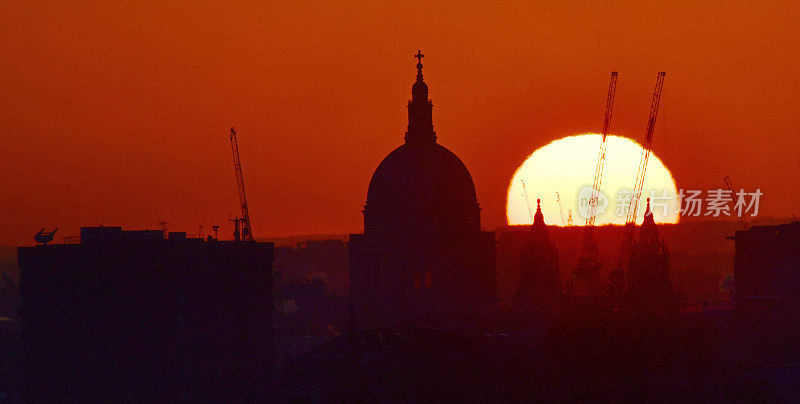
(648, 233)
(539, 231)
(538, 217)
(538, 264)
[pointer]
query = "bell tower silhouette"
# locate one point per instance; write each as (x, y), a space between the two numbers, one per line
(420, 111)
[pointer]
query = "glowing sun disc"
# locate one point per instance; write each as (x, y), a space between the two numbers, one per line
(567, 166)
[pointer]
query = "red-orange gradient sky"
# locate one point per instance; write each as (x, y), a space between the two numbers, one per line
(117, 113)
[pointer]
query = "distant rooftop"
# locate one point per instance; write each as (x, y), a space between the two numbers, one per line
(781, 230)
(105, 234)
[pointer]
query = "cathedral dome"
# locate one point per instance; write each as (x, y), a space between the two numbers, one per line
(421, 189)
(422, 255)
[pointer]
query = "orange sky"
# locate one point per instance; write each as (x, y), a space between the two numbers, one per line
(119, 114)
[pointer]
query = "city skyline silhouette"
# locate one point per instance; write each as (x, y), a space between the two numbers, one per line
(525, 230)
(121, 120)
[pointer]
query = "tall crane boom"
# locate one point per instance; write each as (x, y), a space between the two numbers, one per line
(742, 219)
(601, 157)
(560, 209)
(246, 232)
(647, 146)
(588, 261)
(527, 200)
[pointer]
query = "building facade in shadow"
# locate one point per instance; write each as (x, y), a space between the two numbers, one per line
(767, 291)
(422, 251)
(766, 267)
(135, 316)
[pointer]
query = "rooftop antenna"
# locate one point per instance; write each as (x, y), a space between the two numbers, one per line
(44, 237)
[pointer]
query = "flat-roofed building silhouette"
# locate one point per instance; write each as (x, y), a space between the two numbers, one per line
(137, 316)
(767, 267)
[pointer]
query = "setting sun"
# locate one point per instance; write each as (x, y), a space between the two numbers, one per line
(566, 166)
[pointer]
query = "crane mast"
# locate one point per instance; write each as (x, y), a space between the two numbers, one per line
(527, 200)
(601, 156)
(246, 232)
(588, 262)
(560, 209)
(742, 219)
(647, 145)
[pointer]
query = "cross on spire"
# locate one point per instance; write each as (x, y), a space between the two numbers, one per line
(419, 57)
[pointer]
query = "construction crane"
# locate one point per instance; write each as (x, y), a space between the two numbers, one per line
(601, 156)
(742, 219)
(560, 209)
(245, 233)
(527, 200)
(647, 146)
(588, 261)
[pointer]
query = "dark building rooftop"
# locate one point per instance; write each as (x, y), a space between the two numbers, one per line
(135, 316)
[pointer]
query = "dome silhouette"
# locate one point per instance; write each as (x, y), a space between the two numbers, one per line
(422, 253)
(421, 189)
